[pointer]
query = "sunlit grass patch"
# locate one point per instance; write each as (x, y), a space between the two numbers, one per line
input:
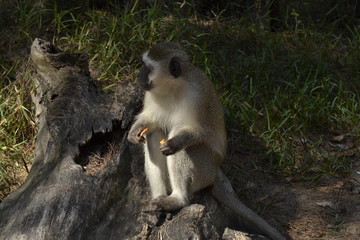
(17, 129)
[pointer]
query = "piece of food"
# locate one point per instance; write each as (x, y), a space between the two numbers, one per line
(162, 141)
(143, 132)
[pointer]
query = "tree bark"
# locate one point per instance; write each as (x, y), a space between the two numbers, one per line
(87, 181)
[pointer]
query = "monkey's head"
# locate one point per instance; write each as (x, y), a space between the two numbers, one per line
(163, 66)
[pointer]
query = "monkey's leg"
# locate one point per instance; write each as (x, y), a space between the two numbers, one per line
(190, 170)
(180, 184)
(155, 164)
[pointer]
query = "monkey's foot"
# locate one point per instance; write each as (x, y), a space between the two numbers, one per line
(152, 215)
(152, 208)
(168, 203)
(153, 218)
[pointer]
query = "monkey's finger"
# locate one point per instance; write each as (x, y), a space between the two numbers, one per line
(166, 150)
(135, 139)
(142, 140)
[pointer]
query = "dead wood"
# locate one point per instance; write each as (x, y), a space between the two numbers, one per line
(87, 181)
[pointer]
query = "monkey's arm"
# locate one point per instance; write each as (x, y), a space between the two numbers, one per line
(136, 132)
(181, 138)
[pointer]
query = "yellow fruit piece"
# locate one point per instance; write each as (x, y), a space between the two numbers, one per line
(162, 141)
(143, 131)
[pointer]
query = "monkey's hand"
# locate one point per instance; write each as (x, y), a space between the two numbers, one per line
(169, 147)
(136, 134)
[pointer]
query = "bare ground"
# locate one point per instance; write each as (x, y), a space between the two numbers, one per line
(328, 208)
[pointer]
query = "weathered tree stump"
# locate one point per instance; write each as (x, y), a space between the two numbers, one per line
(87, 181)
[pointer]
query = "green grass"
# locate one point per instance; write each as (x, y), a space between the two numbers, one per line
(284, 90)
(17, 128)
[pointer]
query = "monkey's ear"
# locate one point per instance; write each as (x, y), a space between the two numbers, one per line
(174, 67)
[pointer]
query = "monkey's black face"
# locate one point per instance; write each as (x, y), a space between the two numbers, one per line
(152, 75)
(143, 78)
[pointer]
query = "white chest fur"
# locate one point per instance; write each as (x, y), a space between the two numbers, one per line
(168, 112)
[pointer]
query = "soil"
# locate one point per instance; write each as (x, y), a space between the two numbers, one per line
(328, 208)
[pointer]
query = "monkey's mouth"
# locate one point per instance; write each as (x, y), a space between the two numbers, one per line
(146, 86)
(143, 78)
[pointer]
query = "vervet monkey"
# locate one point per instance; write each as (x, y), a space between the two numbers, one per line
(182, 107)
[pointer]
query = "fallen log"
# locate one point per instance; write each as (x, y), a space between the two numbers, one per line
(87, 181)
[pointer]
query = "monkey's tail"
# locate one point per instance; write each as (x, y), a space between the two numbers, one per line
(224, 193)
